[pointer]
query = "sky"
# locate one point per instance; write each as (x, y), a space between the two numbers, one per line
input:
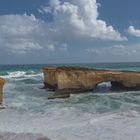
(69, 31)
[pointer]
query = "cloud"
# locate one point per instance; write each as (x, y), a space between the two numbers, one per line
(132, 31)
(79, 18)
(116, 51)
(73, 22)
(20, 33)
(94, 51)
(24, 33)
(43, 10)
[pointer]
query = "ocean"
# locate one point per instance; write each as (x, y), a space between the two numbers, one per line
(102, 115)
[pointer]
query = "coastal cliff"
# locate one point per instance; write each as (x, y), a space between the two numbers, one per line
(67, 80)
(2, 81)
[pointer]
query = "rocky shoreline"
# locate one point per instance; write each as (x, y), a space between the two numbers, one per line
(67, 80)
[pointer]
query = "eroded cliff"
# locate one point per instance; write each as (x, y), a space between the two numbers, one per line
(65, 80)
(2, 81)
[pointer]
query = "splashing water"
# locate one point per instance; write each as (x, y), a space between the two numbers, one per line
(100, 115)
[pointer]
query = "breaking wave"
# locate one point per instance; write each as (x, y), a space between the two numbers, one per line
(22, 75)
(102, 115)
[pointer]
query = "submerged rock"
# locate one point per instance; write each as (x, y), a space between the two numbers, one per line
(21, 136)
(67, 80)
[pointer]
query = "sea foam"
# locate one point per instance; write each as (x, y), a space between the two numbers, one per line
(103, 116)
(21, 75)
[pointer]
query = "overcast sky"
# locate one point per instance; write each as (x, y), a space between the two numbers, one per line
(69, 31)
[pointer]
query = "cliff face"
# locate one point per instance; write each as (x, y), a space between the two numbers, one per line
(50, 78)
(1, 89)
(67, 80)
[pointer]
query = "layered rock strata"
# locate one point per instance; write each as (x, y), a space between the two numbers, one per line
(67, 80)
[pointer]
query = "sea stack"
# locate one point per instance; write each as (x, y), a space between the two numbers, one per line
(2, 81)
(72, 80)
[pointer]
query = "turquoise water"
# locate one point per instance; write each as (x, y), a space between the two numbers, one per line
(101, 115)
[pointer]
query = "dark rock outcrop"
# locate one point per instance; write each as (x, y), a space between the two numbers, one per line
(21, 136)
(67, 80)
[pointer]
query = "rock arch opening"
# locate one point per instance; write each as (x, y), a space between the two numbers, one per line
(109, 86)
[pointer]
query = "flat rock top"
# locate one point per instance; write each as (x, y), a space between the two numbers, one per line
(68, 68)
(87, 69)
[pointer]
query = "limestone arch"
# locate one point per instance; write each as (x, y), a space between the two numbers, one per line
(115, 85)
